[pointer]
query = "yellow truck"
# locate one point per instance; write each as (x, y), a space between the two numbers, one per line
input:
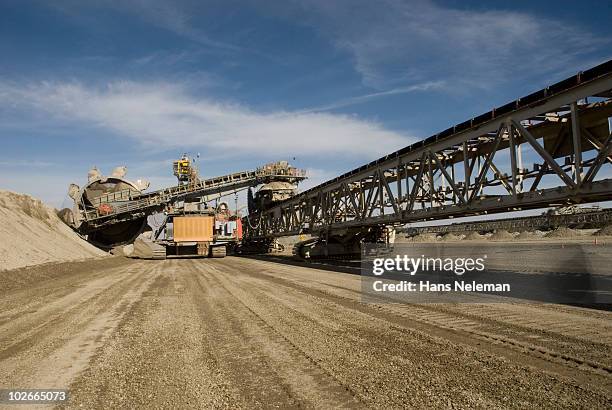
(191, 235)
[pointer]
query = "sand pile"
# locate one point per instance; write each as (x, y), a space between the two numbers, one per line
(501, 235)
(562, 232)
(605, 231)
(31, 234)
(473, 236)
(425, 237)
(451, 237)
(526, 235)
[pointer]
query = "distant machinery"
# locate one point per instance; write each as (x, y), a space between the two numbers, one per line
(277, 190)
(184, 170)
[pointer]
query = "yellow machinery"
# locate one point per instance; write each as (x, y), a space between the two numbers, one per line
(191, 234)
(182, 169)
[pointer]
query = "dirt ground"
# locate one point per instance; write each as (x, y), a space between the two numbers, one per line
(245, 333)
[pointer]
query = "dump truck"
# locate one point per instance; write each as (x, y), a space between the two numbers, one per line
(198, 231)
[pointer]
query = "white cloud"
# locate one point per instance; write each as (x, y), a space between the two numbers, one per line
(406, 42)
(166, 115)
(347, 102)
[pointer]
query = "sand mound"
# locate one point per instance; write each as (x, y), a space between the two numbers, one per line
(473, 236)
(425, 237)
(501, 235)
(562, 232)
(31, 234)
(605, 231)
(451, 237)
(526, 235)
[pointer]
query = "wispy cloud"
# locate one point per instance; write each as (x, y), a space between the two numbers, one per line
(172, 16)
(167, 15)
(397, 42)
(167, 115)
(360, 99)
(192, 20)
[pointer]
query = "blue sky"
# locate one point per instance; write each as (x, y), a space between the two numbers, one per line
(332, 84)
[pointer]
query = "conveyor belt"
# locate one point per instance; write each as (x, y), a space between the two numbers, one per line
(458, 172)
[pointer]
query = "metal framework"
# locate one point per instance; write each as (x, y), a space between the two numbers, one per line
(549, 148)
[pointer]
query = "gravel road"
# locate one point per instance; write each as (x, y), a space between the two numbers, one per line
(241, 332)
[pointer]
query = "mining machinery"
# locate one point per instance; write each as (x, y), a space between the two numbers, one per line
(112, 210)
(95, 202)
(184, 170)
(551, 148)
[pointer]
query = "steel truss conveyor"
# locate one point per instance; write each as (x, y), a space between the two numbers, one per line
(551, 147)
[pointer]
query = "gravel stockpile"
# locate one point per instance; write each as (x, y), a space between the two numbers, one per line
(526, 235)
(452, 237)
(501, 235)
(473, 236)
(563, 232)
(31, 233)
(425, 237)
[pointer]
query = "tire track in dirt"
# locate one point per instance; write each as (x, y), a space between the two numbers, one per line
(404, 324)
(532, 332)
(278, 373)
(159, 354)
(47, 348)
(40, 317)
(28, 289)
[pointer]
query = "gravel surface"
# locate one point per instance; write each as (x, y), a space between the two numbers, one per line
(247, 333)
